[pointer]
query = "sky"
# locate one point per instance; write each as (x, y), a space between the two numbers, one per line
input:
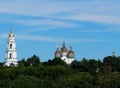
(91, 27)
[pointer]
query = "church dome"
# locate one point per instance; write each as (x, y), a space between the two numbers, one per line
(70, 53)
(63, 49)
(11, 35)
(57, 53)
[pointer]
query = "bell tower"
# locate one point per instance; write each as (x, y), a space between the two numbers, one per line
(11, 53)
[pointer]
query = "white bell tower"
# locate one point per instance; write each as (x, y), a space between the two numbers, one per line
(11, 53)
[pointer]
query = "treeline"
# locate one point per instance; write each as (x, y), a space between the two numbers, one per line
(55, 73)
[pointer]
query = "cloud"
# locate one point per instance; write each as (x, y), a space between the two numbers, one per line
(55, 39)
(43, 28)
(86, 40)
(101, 30)
(97, 18)
(54, 7)
(36, 38)
(55, 14)
(108, 19)
(44, 23)
(32, 37)
(50, 7)
(29, 7)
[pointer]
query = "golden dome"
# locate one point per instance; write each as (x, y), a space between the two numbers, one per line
(11, 35)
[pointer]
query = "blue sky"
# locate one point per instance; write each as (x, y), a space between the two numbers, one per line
(91, 27)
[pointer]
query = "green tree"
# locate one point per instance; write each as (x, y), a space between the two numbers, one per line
(33, 61)
(22, 63)
(110, 61)
(56, 61)
(26, 82)
(82, 66)
(93, 66)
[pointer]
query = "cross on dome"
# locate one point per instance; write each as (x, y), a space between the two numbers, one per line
(11, 35)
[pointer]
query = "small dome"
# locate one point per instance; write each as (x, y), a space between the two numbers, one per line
(11, 35)
(70, 53)
(57, 53)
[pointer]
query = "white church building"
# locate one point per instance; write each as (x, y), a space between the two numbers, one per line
(11, 53)
(65, 54)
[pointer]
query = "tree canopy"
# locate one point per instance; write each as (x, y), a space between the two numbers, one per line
(55, 73)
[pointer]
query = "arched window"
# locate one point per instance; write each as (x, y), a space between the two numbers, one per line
(10, 45)
(10, 56)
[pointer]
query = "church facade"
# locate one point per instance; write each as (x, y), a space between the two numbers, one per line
(65, 54)
(11, 53)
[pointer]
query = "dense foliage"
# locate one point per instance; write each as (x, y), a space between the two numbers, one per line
(92, 73)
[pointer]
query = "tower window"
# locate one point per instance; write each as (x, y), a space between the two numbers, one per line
(10, 55)
(10, 45)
